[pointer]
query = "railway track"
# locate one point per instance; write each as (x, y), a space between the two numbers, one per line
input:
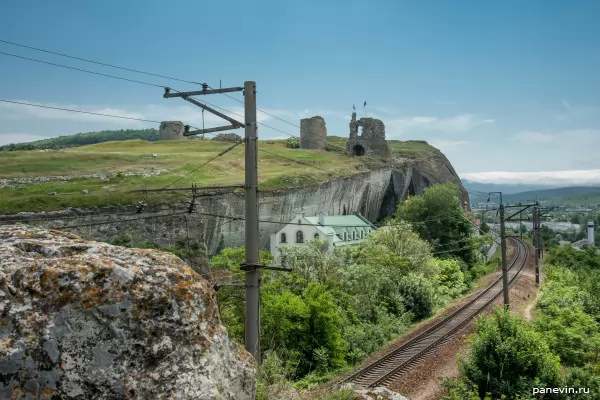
(393, 365)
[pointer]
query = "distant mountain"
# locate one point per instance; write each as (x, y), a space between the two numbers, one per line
(502, 187)
(571, 195)
(83, 139)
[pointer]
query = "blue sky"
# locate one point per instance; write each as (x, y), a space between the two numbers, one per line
(500, 87)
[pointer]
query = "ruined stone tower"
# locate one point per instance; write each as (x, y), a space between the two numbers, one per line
(313, 133)
(371, 142)
(171, 130)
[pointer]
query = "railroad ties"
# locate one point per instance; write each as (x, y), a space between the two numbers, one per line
(393, 365)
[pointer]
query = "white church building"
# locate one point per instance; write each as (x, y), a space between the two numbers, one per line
(337, 230)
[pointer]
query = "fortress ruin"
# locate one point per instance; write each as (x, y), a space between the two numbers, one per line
(171, 130)
(371, 141)
(313, 133)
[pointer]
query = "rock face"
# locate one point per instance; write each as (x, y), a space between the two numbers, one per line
(87, 320)
(313, 133)
(375, 194)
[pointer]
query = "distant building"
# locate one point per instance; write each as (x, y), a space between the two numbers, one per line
(338, 230)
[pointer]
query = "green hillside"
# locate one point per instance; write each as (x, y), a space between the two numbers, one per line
(117, 158)
(581, 195)
(83, 139)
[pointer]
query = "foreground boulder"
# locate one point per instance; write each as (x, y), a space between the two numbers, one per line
(87, 320)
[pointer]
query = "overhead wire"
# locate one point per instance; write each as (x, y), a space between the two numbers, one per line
(76, 111)
(146, 83)
(154, 85)
(82, 70)
(98, 62)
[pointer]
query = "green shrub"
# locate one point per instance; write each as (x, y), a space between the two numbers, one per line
(292, 143)
(508, 357)
(418, 294)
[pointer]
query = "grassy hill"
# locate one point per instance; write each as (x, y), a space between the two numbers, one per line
(83, 139)
(581, 195)
(117, 158)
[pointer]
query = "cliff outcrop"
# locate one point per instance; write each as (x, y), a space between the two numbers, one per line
(87, 320)
(375, 193)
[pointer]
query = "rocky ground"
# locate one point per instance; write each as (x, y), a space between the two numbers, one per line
(425, 381)
(87, 320)
(19, 182)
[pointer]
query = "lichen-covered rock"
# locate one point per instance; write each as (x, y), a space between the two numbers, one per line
(87, 320)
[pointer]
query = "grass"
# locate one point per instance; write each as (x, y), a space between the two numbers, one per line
(179, 157)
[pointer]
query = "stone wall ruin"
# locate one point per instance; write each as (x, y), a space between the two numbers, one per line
(313, 133)
(171, 130)
(371, 142)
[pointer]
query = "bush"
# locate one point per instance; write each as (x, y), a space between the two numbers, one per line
(292, 143)
(418, 294)
(508, 357)
(450, 281)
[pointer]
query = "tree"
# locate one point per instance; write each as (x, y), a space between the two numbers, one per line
(438, 218)
(225, 267)
(397, 247)
(508, 357)
(306, 327)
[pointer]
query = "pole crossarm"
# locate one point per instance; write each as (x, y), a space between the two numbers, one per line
(208, 130)
(254, 267)
(526, 206)
(168, 93)
(213, 111)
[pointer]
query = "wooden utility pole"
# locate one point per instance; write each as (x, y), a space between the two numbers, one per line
(252, 324)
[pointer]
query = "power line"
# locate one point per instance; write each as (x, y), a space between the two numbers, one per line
(202, 165)
(327, 225)
(141, 82)
(82, 70)
(120, 221)
(99, 63)
(86, 112)
(266, 125)
(145, 83)
(77, 111)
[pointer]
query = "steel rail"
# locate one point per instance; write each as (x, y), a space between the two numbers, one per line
(395, 363)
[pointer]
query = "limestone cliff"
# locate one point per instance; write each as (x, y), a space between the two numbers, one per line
(87, 320)
(375, 193)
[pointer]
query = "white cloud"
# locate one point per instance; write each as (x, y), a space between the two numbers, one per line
(534, 137)
(565, 137)
(454, 124)
(448, 145)
(564, 178)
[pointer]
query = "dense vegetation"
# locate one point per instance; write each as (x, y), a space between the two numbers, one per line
(560, 349)
(336, 308)
(83, 139)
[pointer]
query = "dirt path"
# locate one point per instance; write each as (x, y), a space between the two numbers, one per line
(425, 381)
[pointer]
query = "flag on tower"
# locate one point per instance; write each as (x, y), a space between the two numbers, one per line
(365, 104)
(354, 108)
